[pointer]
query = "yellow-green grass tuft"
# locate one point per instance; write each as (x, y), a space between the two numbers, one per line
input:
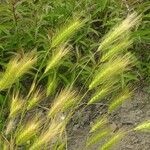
(116, 49)
(35, 98)
(110, 70)
(16, 68)
(63, 35)
(119, 31)
(112, 141)
(56, 58)
(55, 129)
(62, 102)
(16, 105)
(27, 132)
(125, 95)
(100, 123)
(102, 92)
(97, 137)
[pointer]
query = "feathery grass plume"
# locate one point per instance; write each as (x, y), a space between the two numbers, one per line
(56, 128)
(123, 96)
(97, 137)
(65, 33)
(27, 131)
(16, 105)
(100, 123)
(116, 49)
(35, 99)
(56, 58)
(101, 92)
(120, 30)
(16, 68)
(61, 102)
(145, 126)
(71, 103)
(112, 141)
(110, 70)
(9, 76)
(26, 63)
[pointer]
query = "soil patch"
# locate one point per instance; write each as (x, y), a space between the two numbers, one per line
(130, 114)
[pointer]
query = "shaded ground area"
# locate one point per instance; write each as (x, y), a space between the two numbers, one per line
(128, 116)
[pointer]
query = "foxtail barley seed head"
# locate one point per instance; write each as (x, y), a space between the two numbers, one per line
(16, 68)
(65, 98)
(97, 137)
(56, 128)
(56, 58)
(66, 33)
(27, 132)
(34, 99)
(100, 123)
(112, 141)
(110, 70)
(102, 92)
(125, 95)
(16, 105)
(116, 49)
(119, 31)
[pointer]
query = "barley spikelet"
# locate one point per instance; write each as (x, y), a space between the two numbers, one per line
(97, 137)
(110, 70)
(60, 103)
(70, 103)
(16, 105)
(112, 141)
(100, 123)
(103, 91)
(15, 69)
(26, 63)
(119, 31)
(116, 49)
(35, 99)
(119, 100)
(56, 58)
(9, 76)
(56, 128)
(27, 132)
(145, 126)
(66, 33)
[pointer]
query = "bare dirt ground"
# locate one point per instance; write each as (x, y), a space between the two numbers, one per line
(128, 116)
